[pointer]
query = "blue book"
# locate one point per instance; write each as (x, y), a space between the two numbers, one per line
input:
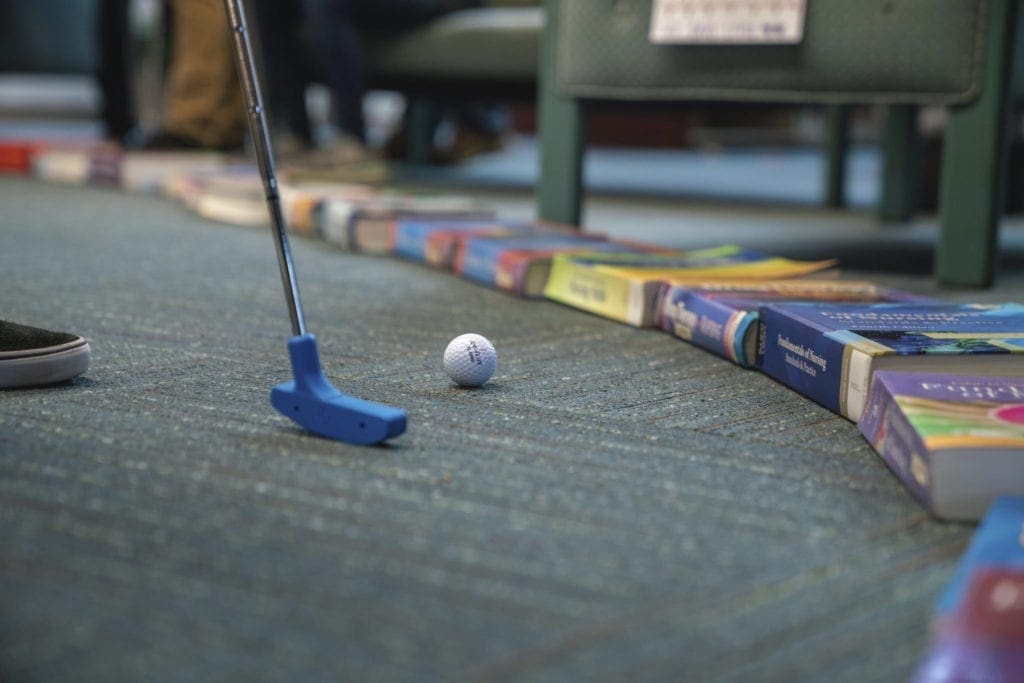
(413, 236)
(829, 352)
(998, 543)
(721, 317)
(482, 258)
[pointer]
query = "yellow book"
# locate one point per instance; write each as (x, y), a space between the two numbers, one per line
(624, 287)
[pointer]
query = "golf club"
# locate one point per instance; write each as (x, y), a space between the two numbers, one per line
(310, 400)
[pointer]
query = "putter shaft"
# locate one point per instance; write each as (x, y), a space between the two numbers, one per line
(265, 158)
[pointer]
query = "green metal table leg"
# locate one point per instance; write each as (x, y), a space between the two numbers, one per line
(974, 163)
(837, 124)
(901, 162)
(561, 135)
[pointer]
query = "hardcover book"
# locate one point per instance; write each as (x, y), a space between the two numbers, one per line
(625, 287)
(16, 155)
(984, 639)
(955, 441)
(721, 317)
(444, 246)
(301, 203)
(145, 171)
(370, 226)
(829, 351)
(432, 241)
(479, 258)
(65, 164)
(998, 542)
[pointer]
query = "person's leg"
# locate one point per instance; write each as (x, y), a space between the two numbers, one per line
(115, 68)
(285, 66)
(203, 104)
(337, 48)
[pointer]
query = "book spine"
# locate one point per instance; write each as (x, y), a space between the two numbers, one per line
(336, 225)
(801, 357)
(478, 264)
(409, 243)
(892, 436)
(589, 290)
(707, 323)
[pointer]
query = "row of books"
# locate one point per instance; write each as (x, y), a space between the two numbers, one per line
(978, 630)
(932, 385)
(936, 388)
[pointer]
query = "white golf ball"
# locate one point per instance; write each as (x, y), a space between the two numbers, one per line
(470, 360)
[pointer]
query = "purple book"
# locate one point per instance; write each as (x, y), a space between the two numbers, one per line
(956, 441)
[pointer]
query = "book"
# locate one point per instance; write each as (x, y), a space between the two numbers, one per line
(983, 640)
(432, 241)
(721, 317)
(955, 441)
(233, 194)
(65, 165)
(443, 247)
(301, 203)
(829, 351)
(625, 287)
(145, 171)
(369, 225)
(998, 542)
(515, 263)
(16, 155)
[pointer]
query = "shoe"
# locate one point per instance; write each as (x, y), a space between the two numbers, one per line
(30, 356)
(467, 144)
(344, 159)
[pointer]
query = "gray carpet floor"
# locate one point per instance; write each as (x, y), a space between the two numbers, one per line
(614, 505)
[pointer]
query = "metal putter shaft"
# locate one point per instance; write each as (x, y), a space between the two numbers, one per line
(310, 400)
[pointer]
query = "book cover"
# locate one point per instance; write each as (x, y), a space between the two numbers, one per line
(443, 247)
(432, 241)
(145, 171)
(300, 203)
(998, 543)
(64, 164)
(370, 226)
(625, 287)
(955, 441)
(477, 258)
(16, 156)
(526, 273)
(983, 640)
(828, 351)
(721, 316)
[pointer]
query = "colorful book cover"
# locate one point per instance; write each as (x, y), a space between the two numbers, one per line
(983, 640)
(145, 171)
(955, 441)
(829, 351)
(625, 287)
(478, 258)
(998, 542)
(431, 241)
(721, 317)
(16, 156)
(370, 226)
(444, 247)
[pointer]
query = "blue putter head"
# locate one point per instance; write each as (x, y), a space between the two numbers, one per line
(313, 402)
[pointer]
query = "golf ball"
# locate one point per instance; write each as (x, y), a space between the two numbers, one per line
(470, 360)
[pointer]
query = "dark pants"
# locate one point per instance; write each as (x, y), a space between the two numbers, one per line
(322, 40)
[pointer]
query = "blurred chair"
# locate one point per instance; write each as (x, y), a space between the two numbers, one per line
(471, 55)
(904, 53)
